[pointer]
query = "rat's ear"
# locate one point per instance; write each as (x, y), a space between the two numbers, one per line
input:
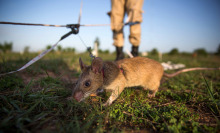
(97, 65)
(82, 66)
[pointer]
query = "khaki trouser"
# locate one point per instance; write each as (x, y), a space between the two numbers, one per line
(132, 8)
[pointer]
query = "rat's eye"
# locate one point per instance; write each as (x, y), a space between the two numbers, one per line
(87, 83)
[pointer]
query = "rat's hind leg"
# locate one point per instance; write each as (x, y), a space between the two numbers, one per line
(152, 93)
(152, 89)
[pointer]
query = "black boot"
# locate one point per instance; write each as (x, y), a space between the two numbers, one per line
(134, 51)
(119, 52)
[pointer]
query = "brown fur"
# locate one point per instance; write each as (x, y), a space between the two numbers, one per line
(138, 71)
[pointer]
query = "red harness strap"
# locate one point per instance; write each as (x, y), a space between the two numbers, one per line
(103, 75)
(121, 69)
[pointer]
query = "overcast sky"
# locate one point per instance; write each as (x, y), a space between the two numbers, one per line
(183, 24)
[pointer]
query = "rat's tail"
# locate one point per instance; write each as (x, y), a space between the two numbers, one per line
(187, 70)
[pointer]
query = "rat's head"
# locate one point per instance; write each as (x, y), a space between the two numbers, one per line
(90, 80)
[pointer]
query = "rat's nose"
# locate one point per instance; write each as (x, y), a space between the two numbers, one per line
(78, 95)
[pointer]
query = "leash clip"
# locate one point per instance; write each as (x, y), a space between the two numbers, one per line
(90, 52)
(74, 28)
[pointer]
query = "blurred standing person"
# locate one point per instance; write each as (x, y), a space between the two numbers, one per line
(133, 9)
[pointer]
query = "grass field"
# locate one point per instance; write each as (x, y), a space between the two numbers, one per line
(36, 99)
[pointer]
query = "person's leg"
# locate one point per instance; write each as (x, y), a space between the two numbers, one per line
(134, 11)
(117, 16)
(135, 38)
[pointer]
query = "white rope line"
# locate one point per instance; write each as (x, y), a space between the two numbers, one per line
(31, 24)
(51, 25)
(33, 60)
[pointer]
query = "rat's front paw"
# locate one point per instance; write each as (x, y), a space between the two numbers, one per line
(151, 95)
(107, 103)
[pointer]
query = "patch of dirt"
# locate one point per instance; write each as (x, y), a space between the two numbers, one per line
(27, 77)
(206, 117)
(66, 77)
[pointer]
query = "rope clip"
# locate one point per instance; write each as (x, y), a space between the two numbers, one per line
(74, 28)
(89, 49)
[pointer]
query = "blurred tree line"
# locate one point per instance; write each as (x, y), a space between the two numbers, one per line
(97, 41)
(218, 50)
(60, 49)
(175, 51)
(6, 47)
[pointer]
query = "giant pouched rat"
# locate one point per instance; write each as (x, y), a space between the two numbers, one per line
(115, 76)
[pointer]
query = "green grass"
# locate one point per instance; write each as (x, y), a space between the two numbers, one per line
(36, 99)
